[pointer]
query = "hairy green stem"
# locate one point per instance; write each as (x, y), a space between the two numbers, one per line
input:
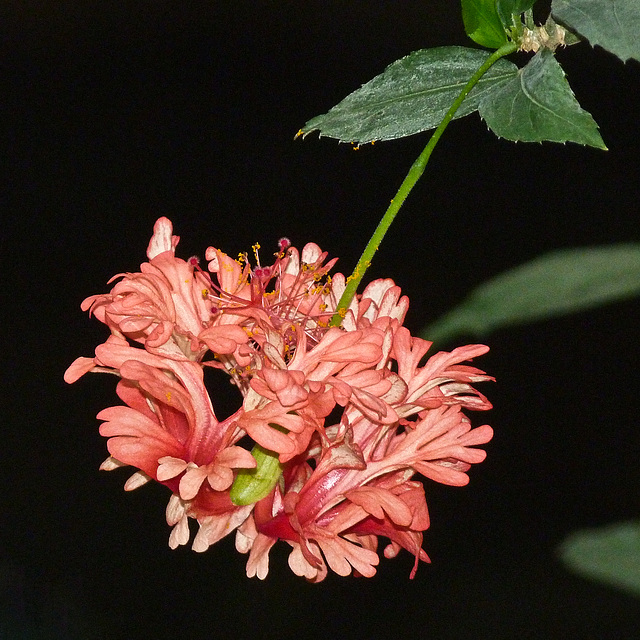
(416, 171)
(254, 484)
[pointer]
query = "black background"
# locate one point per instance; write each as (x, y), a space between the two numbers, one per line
(114, 113)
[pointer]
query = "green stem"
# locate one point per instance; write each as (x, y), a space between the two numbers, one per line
(416, 171)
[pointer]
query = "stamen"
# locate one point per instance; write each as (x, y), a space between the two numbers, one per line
(256, 249)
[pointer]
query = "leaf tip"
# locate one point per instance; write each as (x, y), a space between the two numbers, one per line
(303, 133)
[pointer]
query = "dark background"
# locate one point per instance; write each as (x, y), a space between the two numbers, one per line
(114, 113)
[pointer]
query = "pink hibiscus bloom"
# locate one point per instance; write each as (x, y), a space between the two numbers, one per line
(348, 415)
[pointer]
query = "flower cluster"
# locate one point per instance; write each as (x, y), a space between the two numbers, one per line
(335, 423)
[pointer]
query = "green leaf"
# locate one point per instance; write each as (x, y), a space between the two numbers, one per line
(412, 95)
(482, 23)
(612, 24)
(557, 283)
(538, 104)
(608, 554)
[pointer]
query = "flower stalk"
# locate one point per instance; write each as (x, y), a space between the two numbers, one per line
(411, 179)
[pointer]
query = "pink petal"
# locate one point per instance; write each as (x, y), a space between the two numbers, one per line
(341, 555)
(258, 562)
(236, 457)
(376, 501)
(191, 482)
(162, 239)
(224, 339)
(170, 467)
(78, 368)
(220, 478)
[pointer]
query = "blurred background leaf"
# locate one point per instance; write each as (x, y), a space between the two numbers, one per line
(556, 283)
(607, 554)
